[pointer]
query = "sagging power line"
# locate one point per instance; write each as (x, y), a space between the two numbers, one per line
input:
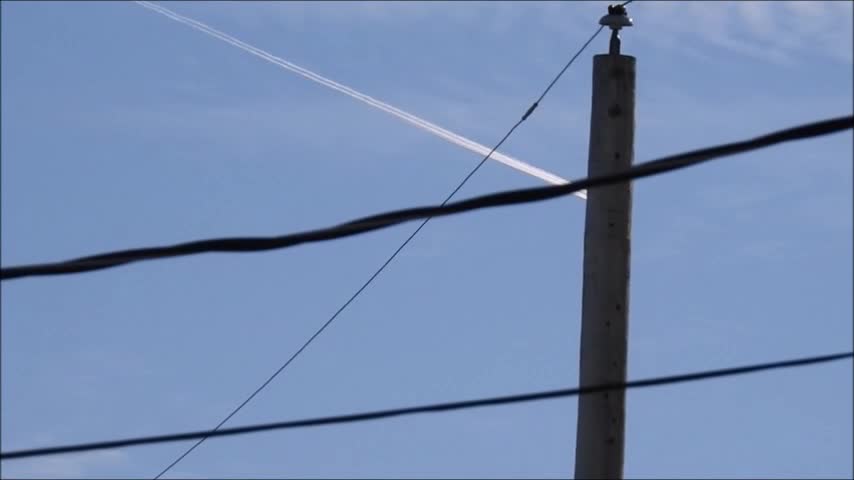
(389, 219)
(440, 407)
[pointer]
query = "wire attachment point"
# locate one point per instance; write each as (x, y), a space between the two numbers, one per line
(616, 19)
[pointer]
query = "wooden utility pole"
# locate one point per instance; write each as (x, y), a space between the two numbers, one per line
(607, 247)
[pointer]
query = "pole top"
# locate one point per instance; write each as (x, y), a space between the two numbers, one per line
(616, 19)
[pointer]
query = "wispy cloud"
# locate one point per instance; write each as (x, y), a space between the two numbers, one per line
(499, 14)
(66, 466)
(779, 32)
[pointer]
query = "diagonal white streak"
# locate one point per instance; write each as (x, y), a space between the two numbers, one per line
(405, 116)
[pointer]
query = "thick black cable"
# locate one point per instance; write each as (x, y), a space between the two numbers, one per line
(385, 220)
(440, 407)
(403, 245)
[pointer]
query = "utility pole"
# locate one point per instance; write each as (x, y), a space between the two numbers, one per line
(607, 247)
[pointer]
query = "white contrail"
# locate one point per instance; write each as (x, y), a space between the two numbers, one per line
(407, 117)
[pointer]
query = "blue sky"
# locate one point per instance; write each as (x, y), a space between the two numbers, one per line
(122, 128)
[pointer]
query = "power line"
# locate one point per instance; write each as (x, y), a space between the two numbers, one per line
(385, 220)
(382, 267)
(439, 407)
